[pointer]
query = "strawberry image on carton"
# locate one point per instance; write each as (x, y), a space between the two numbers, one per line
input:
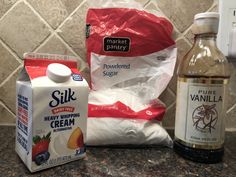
(52, 104)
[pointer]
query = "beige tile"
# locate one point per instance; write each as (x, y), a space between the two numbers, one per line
(86, 74)
(6, 116)
(169, 118)
(55, 46)
(143, 2)
(22, 30)
(8, 92)
(152, 7)
(167, 97)
(215, 9)
(73, 31)
(232, 86)
(183, 47)
(8, 63)
(175, 33)
(190, 36)
(181, 12)
(5, 5)
(173, 83)
(231, 118)
(55, 11)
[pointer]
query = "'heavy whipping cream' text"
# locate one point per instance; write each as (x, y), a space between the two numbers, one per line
(63, 121)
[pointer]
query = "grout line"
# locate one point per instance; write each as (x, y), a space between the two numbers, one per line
(185, 39)
(2, 40)
(6, 107)
(57, 31)
(51, 30)
(173, 94)
(171, 105)
(209, 10)
(54, 32)
(44, 42)
(146, 4)
(230, 129)
(158, 9)
(212, 6)
(169, 128)
(182, 35)
(10, 75)
(179, 33)
(39, 16)
(187, 30)
(9, 10)
(83, 66)
(8, 124)
(230, 109)
(11, 51)
(67, 45)
(35, 13)
(70, 15)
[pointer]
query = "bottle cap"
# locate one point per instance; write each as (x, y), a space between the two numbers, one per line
(207, 22)
(58, 72)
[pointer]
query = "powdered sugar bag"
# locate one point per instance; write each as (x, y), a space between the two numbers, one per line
(132, 57)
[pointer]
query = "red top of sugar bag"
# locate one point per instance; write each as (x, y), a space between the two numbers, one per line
(147, 33)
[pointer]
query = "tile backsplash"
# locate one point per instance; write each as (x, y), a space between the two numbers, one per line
(58, 26)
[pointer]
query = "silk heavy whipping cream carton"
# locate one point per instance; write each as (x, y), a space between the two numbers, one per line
(52, 103)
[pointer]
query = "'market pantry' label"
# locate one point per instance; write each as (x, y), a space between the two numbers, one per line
(199, 113)
(116, 44)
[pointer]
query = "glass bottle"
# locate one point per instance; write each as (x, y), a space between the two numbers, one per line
(203, 77)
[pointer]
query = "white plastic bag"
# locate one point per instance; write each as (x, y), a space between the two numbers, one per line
(132, 57)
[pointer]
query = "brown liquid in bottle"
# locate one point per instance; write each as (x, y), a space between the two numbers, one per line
(203, 76)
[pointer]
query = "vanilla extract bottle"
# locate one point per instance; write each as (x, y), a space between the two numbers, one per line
(203, 77)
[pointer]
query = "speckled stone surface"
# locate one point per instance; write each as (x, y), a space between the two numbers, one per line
(103, 162)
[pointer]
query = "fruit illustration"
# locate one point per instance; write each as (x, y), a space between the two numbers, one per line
(40, 147)
(76, 139)
(42, 157)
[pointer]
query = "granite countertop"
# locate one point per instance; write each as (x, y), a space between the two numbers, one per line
(145, 162)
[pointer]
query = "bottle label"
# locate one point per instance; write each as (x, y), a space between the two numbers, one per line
(200, 111)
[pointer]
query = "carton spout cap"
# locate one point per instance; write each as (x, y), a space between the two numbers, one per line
(58, 72)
